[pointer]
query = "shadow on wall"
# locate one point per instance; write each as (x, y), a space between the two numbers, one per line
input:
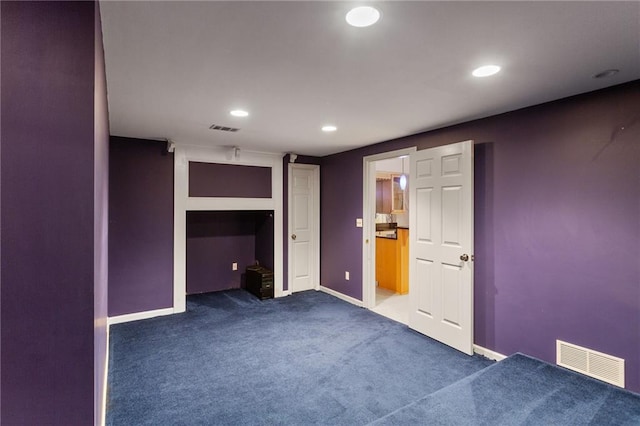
(484, 273)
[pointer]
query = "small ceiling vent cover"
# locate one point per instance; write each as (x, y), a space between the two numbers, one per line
(594, 364)
(223, 128)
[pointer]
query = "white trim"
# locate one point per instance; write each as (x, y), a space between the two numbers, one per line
(183, 203)
(315, 231)
(341, 296)
(103, 417)
(180, 195)
(368, 222)
(221, 203)
(488, 353)
(140, 315)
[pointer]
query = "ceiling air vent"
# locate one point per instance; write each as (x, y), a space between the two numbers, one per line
(594, 364)
(223, 128)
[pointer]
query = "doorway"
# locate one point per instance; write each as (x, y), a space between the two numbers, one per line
(441, 243)
(304, 227)
(386, 234)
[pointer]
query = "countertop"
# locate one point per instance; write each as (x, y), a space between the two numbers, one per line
(389, 235)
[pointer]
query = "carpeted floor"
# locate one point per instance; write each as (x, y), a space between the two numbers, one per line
(313, 359)
(522, 391)
(308, 358)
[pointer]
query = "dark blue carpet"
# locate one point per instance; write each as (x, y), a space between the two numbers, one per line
(303, 359)
(313, 359)
(522, 391)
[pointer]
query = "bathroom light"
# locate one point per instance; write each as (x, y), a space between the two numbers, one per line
(362, 16)
(239, 113)
(329, 128)
(486, 71)
(403, 178)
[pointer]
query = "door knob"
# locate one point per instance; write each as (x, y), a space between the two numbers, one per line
(464, 257)
(293, 236)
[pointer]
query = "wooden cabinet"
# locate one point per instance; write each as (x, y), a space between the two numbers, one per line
(383, 196)
(390, 197)
(403, 273)
(397, 195)
(392, 262)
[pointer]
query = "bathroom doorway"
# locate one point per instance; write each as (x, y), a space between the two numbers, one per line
(386, 248)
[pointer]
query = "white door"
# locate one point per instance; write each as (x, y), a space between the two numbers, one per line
(303, 227)
(441, 244)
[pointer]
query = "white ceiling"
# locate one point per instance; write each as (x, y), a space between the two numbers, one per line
(175, 68)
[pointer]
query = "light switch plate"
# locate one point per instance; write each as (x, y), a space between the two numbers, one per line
(359, 222)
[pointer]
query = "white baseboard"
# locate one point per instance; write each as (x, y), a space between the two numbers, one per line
(103, 417)
(488, 353)
(341, 296)
(140, 315)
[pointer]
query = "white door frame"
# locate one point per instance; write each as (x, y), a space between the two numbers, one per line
(182, 203)
(315, 227)
(369, 222)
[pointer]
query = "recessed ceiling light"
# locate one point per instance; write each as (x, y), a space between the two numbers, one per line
(329, 128)
(486, 71)
(362, 16)
(239, 113)
(607, 73)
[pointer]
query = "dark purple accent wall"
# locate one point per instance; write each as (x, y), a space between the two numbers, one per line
(101, 222)
(229, 180)
(47, 245)
(265, 239)
(140, 226)
(301, 159)
(557, 224)
(216, 239)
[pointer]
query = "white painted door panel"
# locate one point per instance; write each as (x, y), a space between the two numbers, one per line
(441, 219)
(301, 229)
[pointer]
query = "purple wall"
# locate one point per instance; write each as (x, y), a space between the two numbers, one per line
(229, 180)
(301, 159)
(47, 196)
(557, 229)
(265, 239)
(140, 226)
(101, 222)
(216, 239)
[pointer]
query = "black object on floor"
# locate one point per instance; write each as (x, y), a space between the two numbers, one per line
(259, 282)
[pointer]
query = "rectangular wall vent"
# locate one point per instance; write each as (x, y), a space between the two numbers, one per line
(594, 364)
(223, 128)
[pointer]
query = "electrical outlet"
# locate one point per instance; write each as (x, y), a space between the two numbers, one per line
(234, 266)
(346, 275)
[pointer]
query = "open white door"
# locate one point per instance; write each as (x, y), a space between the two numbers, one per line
(441, 244)
(304, 235)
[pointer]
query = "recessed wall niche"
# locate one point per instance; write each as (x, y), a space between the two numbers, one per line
(212, 179)
(217, 239)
